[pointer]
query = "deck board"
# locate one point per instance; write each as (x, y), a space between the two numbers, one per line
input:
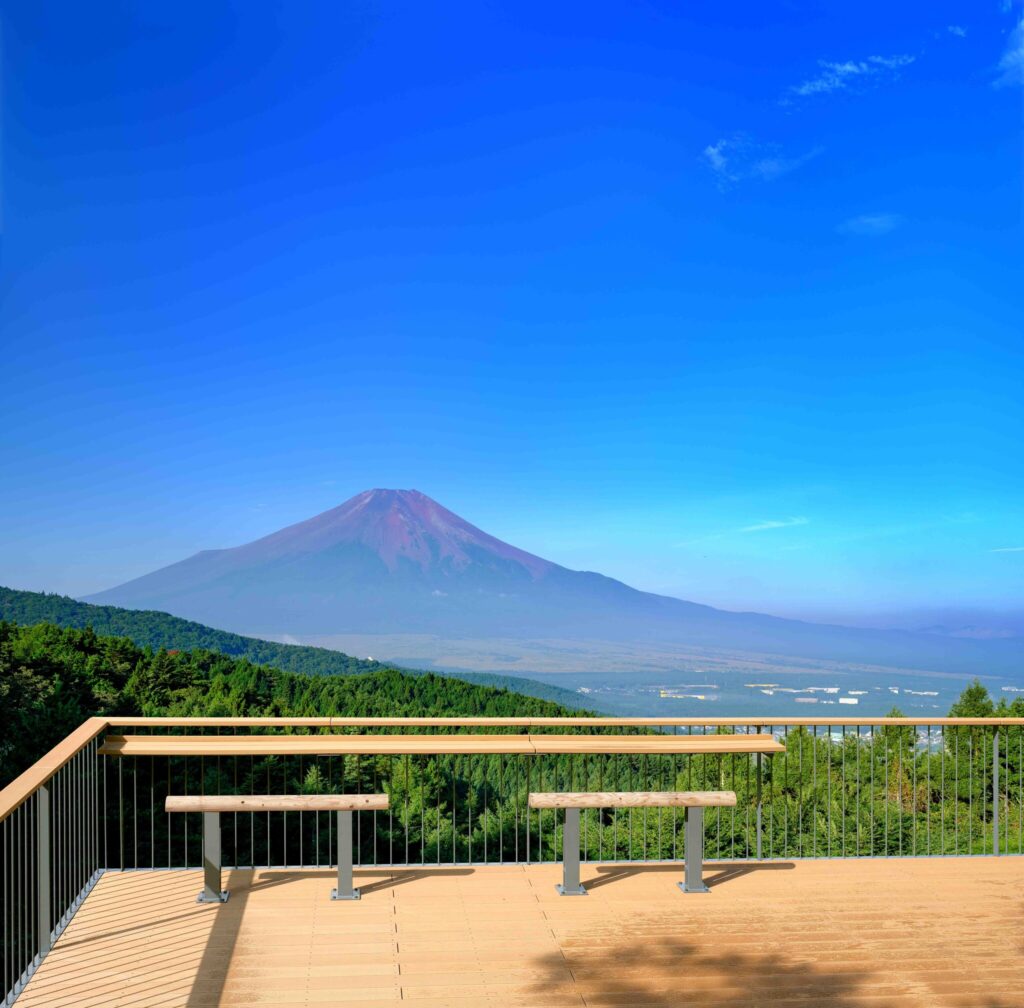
(896, 933)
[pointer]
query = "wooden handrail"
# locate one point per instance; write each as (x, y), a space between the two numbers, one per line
(42, 770)
(539, 722)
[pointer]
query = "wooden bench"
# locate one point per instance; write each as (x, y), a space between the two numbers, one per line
(211, 807)
(693, 801)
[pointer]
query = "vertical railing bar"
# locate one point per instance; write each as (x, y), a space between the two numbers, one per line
(928, 788)
(913, 792)
(718, 811)
(759, 812)
(995, 792)
(64, 816)
(517, 761)
(842, 777)
(860, 793)
(3, 910)
(942, 788)
(26, 892)
(135, 812)
(814, 786)
(828, 792)
(405, 800)
(76, 826)
(956, 791)
(785, 791)
(802, 729)
(970, 791)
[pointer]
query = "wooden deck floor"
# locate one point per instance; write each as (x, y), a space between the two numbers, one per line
(837, 933)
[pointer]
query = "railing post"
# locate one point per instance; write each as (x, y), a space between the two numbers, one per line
(995, 792)
(45, 931)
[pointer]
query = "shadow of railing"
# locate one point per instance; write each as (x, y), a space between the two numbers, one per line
(714, 874)
(402, 876)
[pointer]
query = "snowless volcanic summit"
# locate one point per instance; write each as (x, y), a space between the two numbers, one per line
(388, 561)
(402, 527)
(397, 562)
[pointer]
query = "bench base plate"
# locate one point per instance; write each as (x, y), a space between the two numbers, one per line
(692, 889)
(562, 891)
(203, 898)
(353, 896)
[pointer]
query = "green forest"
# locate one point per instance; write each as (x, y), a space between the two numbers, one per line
(150, 628)
(888, 790)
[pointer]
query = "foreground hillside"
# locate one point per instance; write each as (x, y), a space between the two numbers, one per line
(52, 679)
(156, 630)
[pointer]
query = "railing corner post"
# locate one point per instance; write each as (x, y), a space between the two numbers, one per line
(45, 925)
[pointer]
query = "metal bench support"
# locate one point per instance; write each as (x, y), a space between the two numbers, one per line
(344, 890)
(212, 892)
(571, 856)
(693, 870)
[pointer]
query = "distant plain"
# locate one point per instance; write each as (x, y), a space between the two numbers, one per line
(628, 679)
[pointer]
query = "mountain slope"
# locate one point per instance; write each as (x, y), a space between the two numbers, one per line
(158, 630)
(397, 562)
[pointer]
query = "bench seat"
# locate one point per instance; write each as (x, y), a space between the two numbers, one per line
(632, 799)
(276, 803)
(211, 807)
(572, 801)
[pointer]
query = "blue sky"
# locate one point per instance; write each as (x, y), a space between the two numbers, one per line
(723, 300)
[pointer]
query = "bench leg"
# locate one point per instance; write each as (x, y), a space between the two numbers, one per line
(344, 890)
(571, 856)
(212, 892)
(693, 870)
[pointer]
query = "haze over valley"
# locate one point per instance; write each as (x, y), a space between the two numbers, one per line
(394, 575)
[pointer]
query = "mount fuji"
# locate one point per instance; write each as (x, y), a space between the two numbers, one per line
(397, 562)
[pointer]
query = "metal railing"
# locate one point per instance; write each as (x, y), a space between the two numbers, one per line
(860, 788)
(49, 852)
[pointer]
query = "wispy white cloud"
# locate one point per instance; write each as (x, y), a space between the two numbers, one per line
(850, 75)
(1008, 549)
(958, 30)
(738, 158)
(871, 224)
(774, 524)
(1011, 66)
(762, 526)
